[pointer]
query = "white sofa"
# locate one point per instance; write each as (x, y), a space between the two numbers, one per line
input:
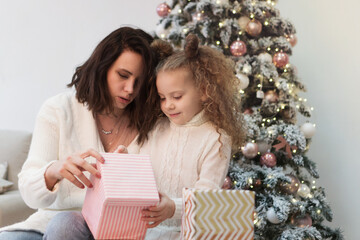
(14, 147)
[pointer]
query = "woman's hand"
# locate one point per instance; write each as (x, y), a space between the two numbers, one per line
(72, 169)
(156, 214)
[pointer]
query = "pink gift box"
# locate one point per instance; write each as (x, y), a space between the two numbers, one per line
(112, 208)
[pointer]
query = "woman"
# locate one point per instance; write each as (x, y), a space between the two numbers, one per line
(110, 108)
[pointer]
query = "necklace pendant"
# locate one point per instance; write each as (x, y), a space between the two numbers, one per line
(106, 132)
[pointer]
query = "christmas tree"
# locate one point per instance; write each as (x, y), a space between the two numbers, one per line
(273, 162)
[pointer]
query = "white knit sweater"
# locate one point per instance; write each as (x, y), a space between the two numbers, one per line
(63, 127)
(187, 155)
(182, 156)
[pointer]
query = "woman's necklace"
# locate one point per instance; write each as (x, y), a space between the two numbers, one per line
(109, 131)
(119, 133)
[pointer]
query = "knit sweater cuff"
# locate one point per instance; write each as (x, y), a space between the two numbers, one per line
(34, 190)
(178, 208)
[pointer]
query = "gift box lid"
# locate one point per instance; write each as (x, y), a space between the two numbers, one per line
(127, 179)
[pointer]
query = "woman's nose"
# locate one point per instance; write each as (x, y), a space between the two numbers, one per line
(129, 86)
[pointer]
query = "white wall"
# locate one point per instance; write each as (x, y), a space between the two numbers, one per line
(41, 43)
(327, 60)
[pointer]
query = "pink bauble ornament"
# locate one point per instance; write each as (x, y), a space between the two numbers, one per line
(163, 9)
(257, 183)
(250, 150)
(254, 27)
(248, 111)
(238, 48)
(268, 159)
(271, 96)
(292, 39)
(227, 183)
(280, 59)
(301, 220)
(292, 187)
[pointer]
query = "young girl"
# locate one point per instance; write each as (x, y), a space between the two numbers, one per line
(191, 146)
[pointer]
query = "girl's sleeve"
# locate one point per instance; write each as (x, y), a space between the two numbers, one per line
(213, 166)
(43, 152)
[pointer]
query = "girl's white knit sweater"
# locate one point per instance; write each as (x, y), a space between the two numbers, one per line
(189, 156)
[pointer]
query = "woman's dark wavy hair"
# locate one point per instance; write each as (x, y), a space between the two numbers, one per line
(90, 79)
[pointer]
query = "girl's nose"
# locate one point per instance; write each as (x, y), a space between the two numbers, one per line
(169, 105)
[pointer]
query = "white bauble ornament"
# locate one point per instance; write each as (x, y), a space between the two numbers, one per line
(243, 21)
(304, 191)
(308, 129)
(265, 57)
(246, 69)
(244, 80)
(222, 2)
(263, 147)
(271, 216)
(161, 32)
(250, 150)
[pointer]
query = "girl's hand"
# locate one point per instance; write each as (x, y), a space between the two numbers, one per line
(72, 169)
(121, 149)
(156, 214)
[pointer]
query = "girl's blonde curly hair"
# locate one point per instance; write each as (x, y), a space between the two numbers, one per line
(213, 74)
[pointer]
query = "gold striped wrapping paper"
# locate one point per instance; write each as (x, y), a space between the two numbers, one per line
(218, 214)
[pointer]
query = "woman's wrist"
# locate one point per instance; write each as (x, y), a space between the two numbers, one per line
(50, 179)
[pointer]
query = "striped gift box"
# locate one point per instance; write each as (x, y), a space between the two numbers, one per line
(218, 214)
(112, 208)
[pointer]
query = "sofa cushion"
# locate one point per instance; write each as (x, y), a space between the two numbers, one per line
(4, 184)
(14, 147)
(3, 170)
